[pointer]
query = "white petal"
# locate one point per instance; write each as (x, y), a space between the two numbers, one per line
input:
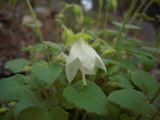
(72, 69)
(85, 53)
(100, 64)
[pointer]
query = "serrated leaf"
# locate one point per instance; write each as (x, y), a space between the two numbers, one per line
(145, 82)
(16, 65)
(32, 113)
(13, 89)
(47, 73)
(132, 100)
(91, 98)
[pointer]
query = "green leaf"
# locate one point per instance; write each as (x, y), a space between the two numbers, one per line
(91, 98)
(153, 50)
(32, 113)
(128, 26)
(140, 51)
(13, 89)
(17, 65)
(147, 62)
(112, 69)
(53, 47)
(57, 114)
(121, 81)
(132, 100)
(127, 64)
(47, 73)
(145, 82)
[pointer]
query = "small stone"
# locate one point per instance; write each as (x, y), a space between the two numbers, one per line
(42, 11)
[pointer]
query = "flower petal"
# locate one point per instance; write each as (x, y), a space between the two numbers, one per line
(85, 53)
(100, 64)
(72, 69)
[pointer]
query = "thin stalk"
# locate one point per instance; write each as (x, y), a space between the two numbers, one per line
(106, 17)
(158, 39)
(148, 5)
(155, 96)
(76, 115)
(125, 21)
(83, 77)
(37, 29)
(100, 3)
(137, 11)
(36, 101)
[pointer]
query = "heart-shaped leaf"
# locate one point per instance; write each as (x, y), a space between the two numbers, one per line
(13, 89)
(32, 113)
(145, 82)
(131, 99)
(16, 65)
(46, 73)
(91, 98)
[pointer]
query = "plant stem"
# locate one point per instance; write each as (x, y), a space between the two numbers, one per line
(137, 11)
(100, 4)
(148, 5)
(83, 76)
(158, 39)
(37, 29)
(125, 21)
(76, 114)
(36, 101)
(154, 97)
(106, 17)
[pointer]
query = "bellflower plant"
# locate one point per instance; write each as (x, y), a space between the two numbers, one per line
(84, 58)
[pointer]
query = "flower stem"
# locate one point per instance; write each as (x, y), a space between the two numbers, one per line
(83, 77)
(37, 29)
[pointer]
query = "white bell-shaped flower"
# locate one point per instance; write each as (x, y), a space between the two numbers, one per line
(84, 58)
